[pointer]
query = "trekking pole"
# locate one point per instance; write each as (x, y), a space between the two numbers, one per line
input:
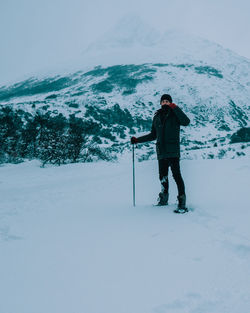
(133, 149)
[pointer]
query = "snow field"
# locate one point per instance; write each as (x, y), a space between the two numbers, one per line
(71, 241)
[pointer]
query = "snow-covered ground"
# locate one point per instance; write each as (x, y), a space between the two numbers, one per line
(71, 241)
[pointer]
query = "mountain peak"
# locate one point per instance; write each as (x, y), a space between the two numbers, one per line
(134, 41)
(133, 30)
(129, 31)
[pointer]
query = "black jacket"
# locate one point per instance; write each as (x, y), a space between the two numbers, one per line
(166, 130)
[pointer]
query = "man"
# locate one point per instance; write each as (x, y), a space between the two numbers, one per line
(166, 130)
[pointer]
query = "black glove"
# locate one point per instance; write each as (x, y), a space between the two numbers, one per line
(133, 140)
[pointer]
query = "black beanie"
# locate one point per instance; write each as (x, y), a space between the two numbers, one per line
(166, 97)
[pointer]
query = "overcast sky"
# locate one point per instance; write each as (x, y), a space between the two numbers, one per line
(36, 35)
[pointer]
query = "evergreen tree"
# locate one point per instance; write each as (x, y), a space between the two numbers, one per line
(76, 137)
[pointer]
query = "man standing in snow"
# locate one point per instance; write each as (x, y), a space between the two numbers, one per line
(166, 130)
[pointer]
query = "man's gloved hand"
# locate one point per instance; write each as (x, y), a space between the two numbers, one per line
(172, 105)
(134, 140)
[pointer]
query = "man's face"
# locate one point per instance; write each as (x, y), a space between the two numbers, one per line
(165, 102)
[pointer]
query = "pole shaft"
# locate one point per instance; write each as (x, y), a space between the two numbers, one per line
(133, 175)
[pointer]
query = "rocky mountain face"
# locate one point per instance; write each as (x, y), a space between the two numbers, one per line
(117, 90)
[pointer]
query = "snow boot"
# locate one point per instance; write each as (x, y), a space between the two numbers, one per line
(181, 205)
(163, 198)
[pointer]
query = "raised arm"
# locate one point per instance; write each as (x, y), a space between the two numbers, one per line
(181, 116)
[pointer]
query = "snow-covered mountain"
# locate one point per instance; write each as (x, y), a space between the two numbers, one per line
(122, 76)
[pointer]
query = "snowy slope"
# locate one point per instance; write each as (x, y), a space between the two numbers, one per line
(71, 241)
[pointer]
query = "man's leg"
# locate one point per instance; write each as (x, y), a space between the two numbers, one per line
(175, 168)
(163, 175)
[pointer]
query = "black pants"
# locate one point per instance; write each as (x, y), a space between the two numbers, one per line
(174, 163)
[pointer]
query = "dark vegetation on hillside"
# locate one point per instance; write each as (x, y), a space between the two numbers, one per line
(124, 77)
(242, 135)
(53, 138)
(205, 70)
(34, 86)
